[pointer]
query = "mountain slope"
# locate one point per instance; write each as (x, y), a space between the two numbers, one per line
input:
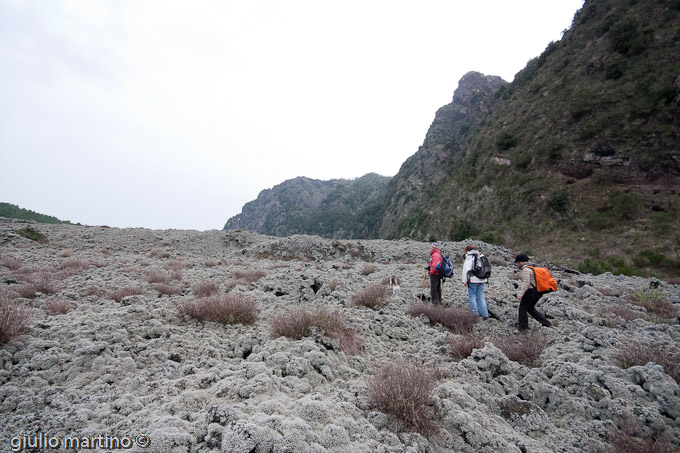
(335, 209)
(578, 155)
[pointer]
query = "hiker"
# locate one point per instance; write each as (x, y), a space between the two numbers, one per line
(433, 269)
(528, 296)
(475, 285)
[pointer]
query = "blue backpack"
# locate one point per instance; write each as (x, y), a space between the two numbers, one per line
(446, 269)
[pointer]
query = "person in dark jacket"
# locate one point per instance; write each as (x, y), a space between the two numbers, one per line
(435, 277)
(528, 297)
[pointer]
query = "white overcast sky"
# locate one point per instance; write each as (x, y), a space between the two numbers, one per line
(174, 114)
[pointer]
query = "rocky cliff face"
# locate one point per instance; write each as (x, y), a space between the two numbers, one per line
(421, 175)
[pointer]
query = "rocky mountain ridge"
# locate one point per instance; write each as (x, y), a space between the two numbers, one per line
(581, 150)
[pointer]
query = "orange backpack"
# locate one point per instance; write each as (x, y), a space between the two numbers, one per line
(545, 282)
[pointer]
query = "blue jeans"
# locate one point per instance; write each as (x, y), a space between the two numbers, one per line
(476, 299)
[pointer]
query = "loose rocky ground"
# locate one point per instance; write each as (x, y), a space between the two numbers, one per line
(137, 367)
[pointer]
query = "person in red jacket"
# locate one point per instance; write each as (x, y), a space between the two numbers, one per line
(433, 270)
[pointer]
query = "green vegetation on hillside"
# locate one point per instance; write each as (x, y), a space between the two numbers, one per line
(578, 159)
(15, 212)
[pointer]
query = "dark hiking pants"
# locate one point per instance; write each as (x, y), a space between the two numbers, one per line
(436, 289)
(528, 306)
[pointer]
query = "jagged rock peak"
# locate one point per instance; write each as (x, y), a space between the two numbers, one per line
(475, 82)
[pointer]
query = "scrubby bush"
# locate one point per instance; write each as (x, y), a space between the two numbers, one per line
(32, 234)
(298, 323)
(25, 290)
(654, 302)
(249, 276)
(57, 307)
(637, 354)
(461, 347)
(157, 276)
(74, 265)
(593, 266)
(629, 437)
(205, 288)
(455, 319)
(11, 263)
(14, 319)
(122, 293)
(374, 296)
(43, 282)
(404, 391)
(224, 309)
(368, 269)
(167, 289)
(524, 348)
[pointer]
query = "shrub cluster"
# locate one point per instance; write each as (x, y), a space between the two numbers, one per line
(455, 319)
(654, 302)
(122, 293)
(249, 276)
(157, 276)
(373, 296)
(57, 307)
(368, 269)
(404, 391)
(205, 288)
(14, 319)
(524, 348)
(32, 234)
(224, 309)
(630, 437)
(636, 354)
(461, 347)
(299, 323)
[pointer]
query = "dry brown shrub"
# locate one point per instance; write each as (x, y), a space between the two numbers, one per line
(175, 265)
(298, 323)
(43, 282)
(157, 276)
(122, 293)
(638, 354)
(159, 253)
(57, 307)
(455, 319)
(14, 319)
(168, 290)
(462, 346)
(368, 269)
(249, 276)
(224, 309)
(11, 263)
(609, 292)
(630, 437)
(608, 312)
(334, 283)
(205, 288)
(405, 391)
(25, 290)
(374, 296)
(523, 348)
(74, 266)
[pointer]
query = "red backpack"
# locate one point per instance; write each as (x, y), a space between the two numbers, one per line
(545, 282)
